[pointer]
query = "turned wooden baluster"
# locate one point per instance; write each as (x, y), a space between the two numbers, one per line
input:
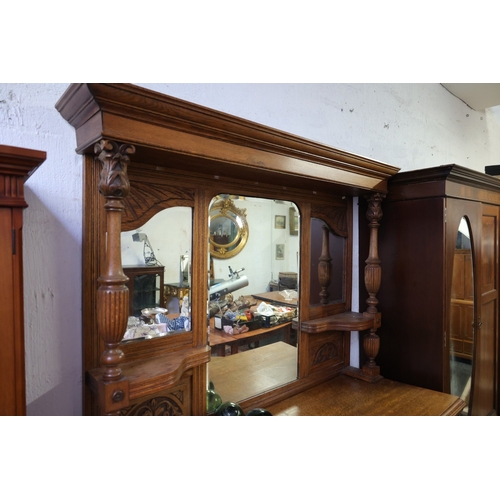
(373, 277)
(112, 295)
(325, 267)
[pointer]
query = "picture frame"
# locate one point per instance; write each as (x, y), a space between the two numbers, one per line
(294, 222)
(280, 251)
(279, 221)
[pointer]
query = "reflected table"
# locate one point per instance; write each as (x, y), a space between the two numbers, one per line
(219, 339)
(253, 372)
(276, 298)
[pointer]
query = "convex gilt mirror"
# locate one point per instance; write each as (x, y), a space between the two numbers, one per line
(228, 229)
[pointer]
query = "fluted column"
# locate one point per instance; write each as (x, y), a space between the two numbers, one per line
(325, 266)
(113, 294)
(373, 277)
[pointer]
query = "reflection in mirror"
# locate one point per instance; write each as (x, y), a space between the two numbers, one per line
(253, 298)
(157, 260)
(325, 244)
(462, 318)
(228, 227)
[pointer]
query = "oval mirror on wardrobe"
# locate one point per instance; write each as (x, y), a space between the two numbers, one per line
(462, 318)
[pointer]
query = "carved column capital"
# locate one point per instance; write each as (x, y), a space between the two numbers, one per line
(374, 211)
(114, 158)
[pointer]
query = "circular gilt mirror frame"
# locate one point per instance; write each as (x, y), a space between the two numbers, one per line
(228, 229)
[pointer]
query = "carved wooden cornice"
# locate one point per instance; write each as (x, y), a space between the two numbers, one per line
(157, 123)
(16, 164)
(445, 180)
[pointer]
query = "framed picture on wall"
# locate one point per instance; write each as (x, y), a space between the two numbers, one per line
(294, 222)
(280, 251)
(280, 221)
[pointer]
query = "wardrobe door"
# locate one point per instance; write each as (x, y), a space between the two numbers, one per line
(463, 253)
(483, 394)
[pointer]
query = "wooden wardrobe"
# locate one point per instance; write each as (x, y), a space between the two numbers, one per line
(441, 298)
(16, 164)
(144, 152)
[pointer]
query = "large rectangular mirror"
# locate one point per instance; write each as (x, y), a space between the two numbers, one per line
(253, 296)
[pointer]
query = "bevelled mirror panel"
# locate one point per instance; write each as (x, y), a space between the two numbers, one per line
(156, 258)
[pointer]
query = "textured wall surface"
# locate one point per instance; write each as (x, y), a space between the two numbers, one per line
(407, 125)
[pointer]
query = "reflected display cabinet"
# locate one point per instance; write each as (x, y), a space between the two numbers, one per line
(146, 287)
(439, 247)
(144, 152)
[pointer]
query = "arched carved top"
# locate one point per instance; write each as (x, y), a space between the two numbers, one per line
(334, 216)
(146, 200)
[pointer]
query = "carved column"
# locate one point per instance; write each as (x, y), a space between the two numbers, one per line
(325, 266)
(373, 277)
(113, 294)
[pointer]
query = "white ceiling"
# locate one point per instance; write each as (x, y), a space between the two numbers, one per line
(478, 96)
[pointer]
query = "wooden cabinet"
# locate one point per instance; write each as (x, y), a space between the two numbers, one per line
(430, 289)
(146, 287)
(148, 152)
(15, 166)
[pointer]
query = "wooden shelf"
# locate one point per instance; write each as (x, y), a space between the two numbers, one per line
(347, 396)
(147, 376)
(344, 322)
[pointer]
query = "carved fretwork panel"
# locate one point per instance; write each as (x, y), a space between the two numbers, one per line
(174, 403)
(327, 351)
(334, 216)
(147, 199)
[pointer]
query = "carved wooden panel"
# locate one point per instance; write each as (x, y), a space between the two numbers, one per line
(147, 199)
(174, 403)
(326, 351)
(334, 216)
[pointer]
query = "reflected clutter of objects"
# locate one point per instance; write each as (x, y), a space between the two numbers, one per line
(154, 322)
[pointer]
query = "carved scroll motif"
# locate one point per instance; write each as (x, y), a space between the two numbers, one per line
(112, 295)
(326, 352)
(156, 407)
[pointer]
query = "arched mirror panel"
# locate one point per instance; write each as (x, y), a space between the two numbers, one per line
(253, 297)
(156, 257)
(461, 344)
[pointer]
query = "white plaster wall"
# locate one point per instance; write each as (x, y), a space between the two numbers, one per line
(408, 125)
(52, 248)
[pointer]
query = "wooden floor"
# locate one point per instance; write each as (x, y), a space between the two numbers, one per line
(347, 396)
